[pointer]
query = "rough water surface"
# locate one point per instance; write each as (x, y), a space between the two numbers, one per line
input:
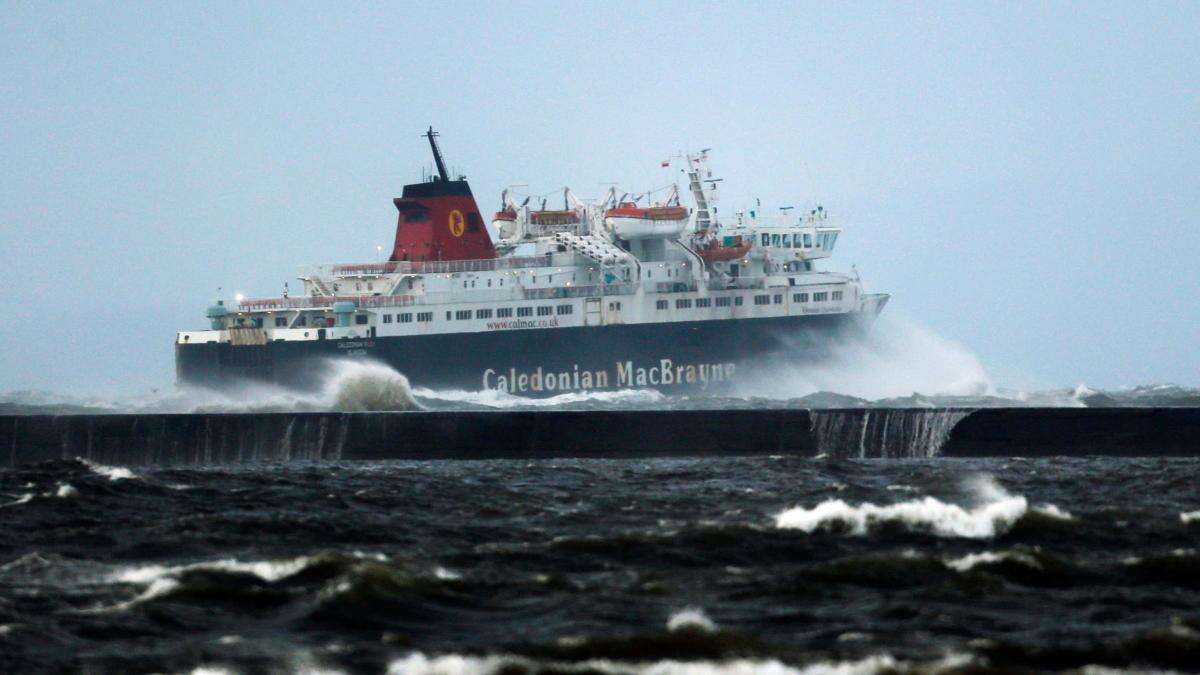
(761, 564)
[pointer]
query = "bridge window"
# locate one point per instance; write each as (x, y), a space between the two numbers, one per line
(778, 298)
(800, 297)
(737, 301)
(449, 316)
(775, 240)
(787, 241)
(564, 309)
(524, 311)
(661, 304)
(766, 239)
(424, 317)
(406, 317)
(837, 295)
(807, 240)
(723, 301)
(820, 297)
(462, 314)
(387, 318)
(703, 302)
(683, 303)
(545, 310)
(280, 322)
(361, 319)
(762, 299)
(503, 312)
(302, 321)
(483, 314)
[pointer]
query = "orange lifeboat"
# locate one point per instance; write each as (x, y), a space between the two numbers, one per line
(630, 221)
(565, 217)
(731, 249)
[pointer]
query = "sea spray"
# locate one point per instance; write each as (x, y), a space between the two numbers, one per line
(896, 358)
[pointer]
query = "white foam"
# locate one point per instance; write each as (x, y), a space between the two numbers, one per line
(444, 574)
(23, 499)
(928, 514)
(113, 473)
(493, 398)
(65, 490)
(970, 560)
(691, 618)
(456, 664)
(1190, 516)
(267, 570)
(1053, 511)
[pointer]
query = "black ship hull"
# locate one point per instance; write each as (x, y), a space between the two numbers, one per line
(692, 357)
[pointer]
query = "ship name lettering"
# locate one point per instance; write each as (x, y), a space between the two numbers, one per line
(628, 374)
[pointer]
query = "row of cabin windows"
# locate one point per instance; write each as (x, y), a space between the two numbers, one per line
(407, 317)
(562, 310)
(817, 297)
(686, 303)
(471, 283)
(507, 312)
(825, 240)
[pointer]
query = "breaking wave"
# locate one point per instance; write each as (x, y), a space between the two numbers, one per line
(113, 473)
(418, 663)
(692, 618)
(343, 385)
(997, 513)
(491, 398)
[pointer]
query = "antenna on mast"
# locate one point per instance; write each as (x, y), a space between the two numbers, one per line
(437, 154)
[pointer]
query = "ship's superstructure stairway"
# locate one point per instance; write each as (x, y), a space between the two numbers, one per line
(591, 247)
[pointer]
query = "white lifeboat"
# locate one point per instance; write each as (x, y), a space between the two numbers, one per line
(505, 223)
(630, 221)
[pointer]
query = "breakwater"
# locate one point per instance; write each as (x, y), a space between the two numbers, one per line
(222, 438)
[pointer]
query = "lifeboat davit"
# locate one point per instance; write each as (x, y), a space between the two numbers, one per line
(731, 249)
(630, 221)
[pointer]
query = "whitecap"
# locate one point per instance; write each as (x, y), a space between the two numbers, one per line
(267, 570)
(970, 560)
(1190, 517)
(1053, 511)
(493, 398)
(23, 499)
(417, 663)
(928, 514)
(445, 574)
(692, 618)
(113, 473)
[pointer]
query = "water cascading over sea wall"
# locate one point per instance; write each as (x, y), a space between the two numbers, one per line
(224, 438)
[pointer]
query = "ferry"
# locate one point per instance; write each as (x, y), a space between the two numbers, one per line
(625, 291)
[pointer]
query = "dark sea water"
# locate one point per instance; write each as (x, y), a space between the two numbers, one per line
(761, 564)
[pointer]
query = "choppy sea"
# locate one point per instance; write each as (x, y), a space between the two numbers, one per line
(775, 565)
(761, 564)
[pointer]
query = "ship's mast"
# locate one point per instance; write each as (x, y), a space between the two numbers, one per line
(437, 154)
(697, 164)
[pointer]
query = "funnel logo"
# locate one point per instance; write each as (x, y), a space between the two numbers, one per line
(456, 223)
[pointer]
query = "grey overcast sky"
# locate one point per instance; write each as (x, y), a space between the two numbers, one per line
(1024, 178)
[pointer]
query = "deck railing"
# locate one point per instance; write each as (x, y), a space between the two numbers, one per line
(495, 295)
